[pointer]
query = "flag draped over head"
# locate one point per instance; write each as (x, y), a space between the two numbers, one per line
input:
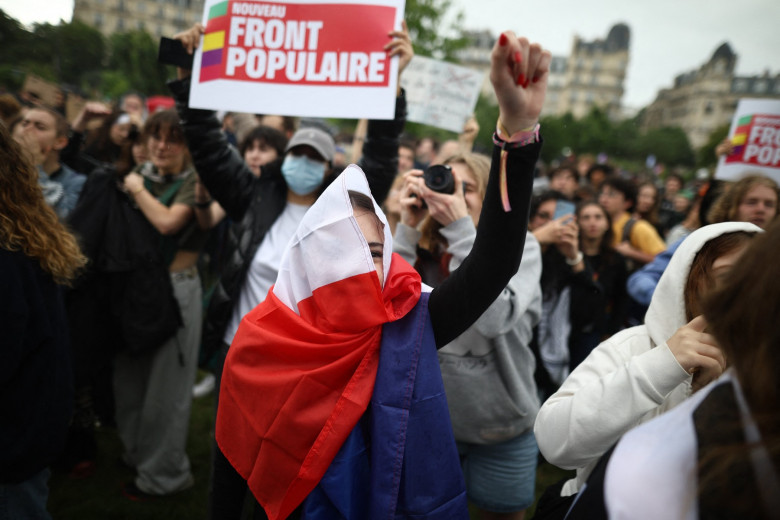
(301, 369)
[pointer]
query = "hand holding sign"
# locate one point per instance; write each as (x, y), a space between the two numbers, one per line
(190, 39)
(401, 46)
(519, 73)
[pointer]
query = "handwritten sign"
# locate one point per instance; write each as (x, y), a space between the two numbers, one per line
(755, 134)
(300, 58)
(440, 94)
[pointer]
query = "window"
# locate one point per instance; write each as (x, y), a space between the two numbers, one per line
(760, 87)
(120, 24)
(98, 20)
(740, 85)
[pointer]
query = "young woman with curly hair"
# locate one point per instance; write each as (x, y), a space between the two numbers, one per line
(37, 257)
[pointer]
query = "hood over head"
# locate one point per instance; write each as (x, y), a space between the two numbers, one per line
(666, 312)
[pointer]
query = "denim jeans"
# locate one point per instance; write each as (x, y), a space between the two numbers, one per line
(26, 499)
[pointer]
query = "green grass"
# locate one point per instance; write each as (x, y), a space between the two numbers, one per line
(100, 497)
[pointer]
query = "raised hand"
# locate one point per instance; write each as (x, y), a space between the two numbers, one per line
(519, 72)
(446, 208)
(190, 39)
(401, 46)
(92, 110)
(412, 210)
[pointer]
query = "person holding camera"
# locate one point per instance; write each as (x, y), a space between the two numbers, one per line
(488, 370)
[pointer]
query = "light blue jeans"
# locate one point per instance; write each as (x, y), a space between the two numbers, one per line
(501, 478)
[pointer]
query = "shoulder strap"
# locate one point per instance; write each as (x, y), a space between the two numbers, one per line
(627, 230)
(168, 195)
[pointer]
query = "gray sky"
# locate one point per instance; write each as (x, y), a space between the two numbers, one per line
(667, 36)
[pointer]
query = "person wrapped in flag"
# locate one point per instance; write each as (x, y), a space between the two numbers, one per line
(332, 403)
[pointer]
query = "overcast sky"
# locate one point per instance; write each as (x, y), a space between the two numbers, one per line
(668, 37)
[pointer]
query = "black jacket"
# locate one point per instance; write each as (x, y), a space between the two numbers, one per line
(36, 385)
(124, 300)
(254, 204)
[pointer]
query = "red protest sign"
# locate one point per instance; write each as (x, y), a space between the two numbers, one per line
(305, 44)
(755, 134)
(757, 141)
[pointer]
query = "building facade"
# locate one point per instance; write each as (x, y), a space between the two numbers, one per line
(591, 76)
(705, 99)
(157, 17)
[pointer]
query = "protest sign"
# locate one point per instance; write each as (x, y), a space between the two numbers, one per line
(74, 103)
(298, 58)
(755, 134)
(441, 94)
(39, 90)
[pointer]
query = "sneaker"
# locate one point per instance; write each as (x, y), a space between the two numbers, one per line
(83, 469)
(204, 387)
(134, 493)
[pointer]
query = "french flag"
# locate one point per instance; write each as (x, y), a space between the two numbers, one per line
(301, 372)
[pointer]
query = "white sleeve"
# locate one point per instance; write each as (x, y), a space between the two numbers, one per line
(606, 395)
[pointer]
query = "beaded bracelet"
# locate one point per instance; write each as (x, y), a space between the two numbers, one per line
(520, 138)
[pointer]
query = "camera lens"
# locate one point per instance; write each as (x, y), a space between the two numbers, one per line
(439, 178)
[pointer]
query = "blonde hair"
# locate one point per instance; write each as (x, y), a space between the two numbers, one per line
(27, 223)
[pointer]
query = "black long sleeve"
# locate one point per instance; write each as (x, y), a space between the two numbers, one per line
(497, 252)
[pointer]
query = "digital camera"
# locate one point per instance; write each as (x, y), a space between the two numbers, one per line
(439, 178)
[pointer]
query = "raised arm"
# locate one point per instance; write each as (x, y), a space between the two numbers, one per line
(519, 73)
(220, 167)
(380, 149)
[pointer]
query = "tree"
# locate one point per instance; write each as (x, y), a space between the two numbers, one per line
(132, 64)
(15, 42)
(430, 36)
(72, 49)
(705, 157)
(670, 145)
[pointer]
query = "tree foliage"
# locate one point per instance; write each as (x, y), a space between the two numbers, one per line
(72, 50)
(432, 34)
(705, 156)
(596, 133)
(133, 57)
(76, 54)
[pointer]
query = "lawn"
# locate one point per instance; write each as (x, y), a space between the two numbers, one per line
(99, 496)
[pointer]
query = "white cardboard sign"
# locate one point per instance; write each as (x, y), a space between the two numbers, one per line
(441, 94)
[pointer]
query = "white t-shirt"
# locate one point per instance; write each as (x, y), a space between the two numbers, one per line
(265, 265)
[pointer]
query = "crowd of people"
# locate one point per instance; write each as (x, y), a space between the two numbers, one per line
(405, 336)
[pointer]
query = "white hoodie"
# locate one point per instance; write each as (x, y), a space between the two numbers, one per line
(626, 380)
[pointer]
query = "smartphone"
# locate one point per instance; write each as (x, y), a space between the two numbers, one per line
(563, 207)
(172, 52)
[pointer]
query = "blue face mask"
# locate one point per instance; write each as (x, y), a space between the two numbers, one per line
(302, 174)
